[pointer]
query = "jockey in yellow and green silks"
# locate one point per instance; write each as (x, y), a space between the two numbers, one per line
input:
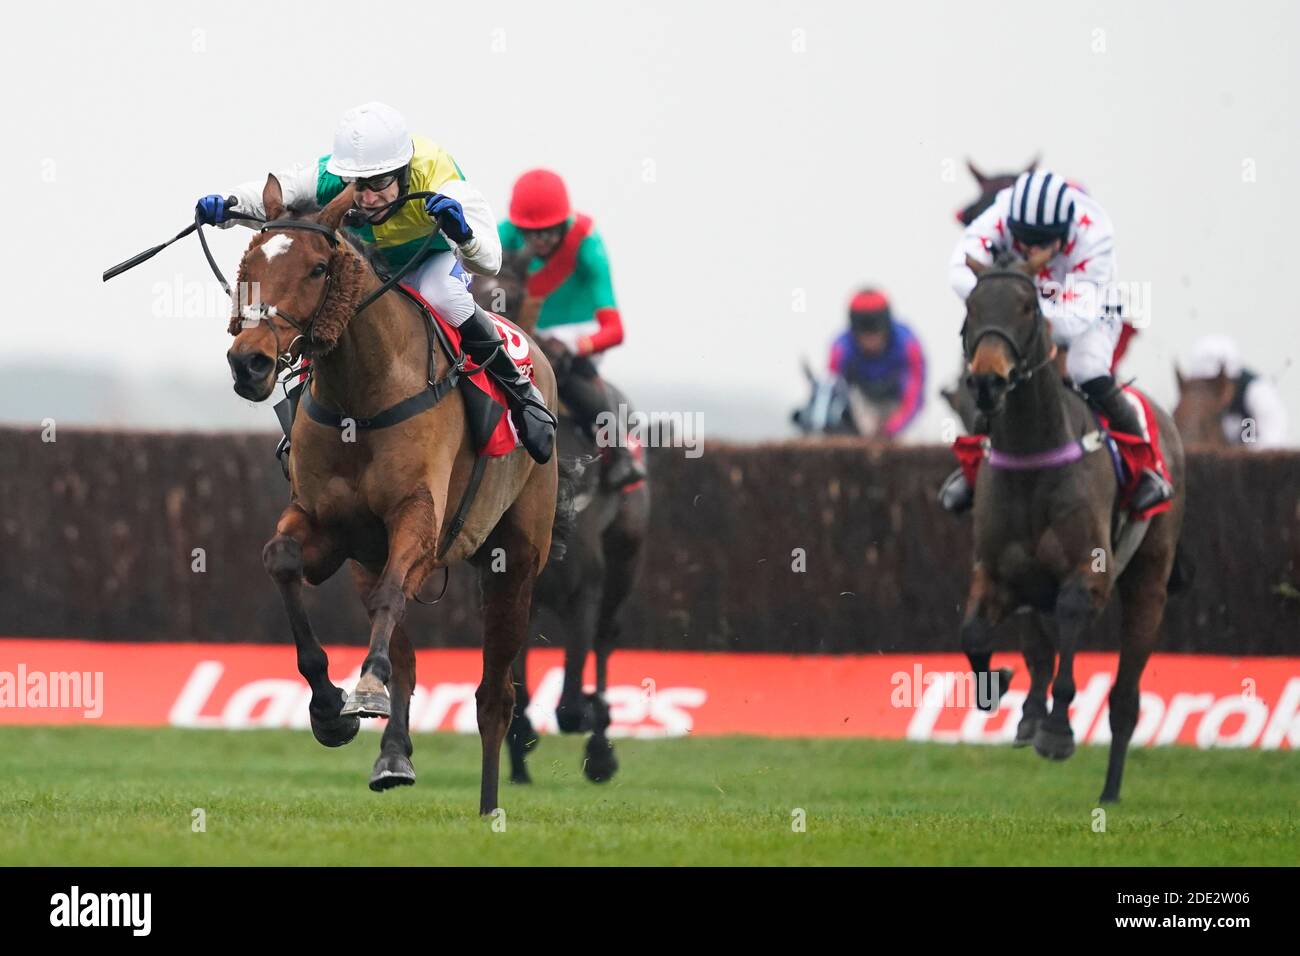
(376, 155)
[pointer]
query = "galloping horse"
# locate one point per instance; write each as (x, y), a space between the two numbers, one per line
(378, 483)
(588, 588)
(1045, 507)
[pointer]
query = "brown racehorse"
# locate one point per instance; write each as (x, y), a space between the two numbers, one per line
(383, 496)
(1043, 534)
(1201, 404)
(588, 589)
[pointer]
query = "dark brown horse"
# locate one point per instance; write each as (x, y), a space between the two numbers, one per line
(383, 497)
(586, 590)
(1044, 534)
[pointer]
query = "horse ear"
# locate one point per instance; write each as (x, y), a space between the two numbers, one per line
(974, 171)
(975, 266)
(1033, 163)
(332, 215)
(1178, 377)
(272, 198)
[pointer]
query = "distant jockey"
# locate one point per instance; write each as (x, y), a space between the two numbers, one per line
(1076, 294)
(568, 287)
(882, 359)
(1253, 398)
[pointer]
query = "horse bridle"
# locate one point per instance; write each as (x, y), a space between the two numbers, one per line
(258, 311)
(1021, 371)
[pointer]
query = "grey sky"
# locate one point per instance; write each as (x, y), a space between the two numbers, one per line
(731, 153)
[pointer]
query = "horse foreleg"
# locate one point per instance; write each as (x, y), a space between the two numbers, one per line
(984, 610)
(411, 537)
(1080, 600)
(393, 768)
(574, 713)
(283, 558)
(1040, 657)
(522, 738)
(1143, 594)
(620, 570)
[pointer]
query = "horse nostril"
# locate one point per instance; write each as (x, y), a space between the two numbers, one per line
(250, 366)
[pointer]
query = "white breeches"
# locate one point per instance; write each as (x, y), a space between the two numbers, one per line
(444, 283)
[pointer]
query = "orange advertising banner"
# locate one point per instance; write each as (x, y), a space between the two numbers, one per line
(1197, 700)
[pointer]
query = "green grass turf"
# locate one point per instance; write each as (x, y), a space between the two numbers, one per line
(105, 796)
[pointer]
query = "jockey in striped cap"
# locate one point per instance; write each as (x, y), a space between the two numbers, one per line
(1076, 292)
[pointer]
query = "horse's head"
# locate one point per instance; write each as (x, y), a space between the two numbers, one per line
(1005, 336)
(299, 282)
(990, 186)
(1201, 404)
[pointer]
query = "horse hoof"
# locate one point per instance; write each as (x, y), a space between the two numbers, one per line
(366, 704)
(335, 732)
(1026, 730)
(332, 728)
(1053, 745)
(600, 763)
(520, 777)
(570, 720)
(392, 770)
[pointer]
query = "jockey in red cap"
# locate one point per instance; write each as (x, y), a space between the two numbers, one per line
(568, 281)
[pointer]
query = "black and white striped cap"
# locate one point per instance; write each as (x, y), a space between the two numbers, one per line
(1043, 202)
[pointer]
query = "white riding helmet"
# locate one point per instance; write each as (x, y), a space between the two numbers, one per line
(370, 139)
(1214, 354)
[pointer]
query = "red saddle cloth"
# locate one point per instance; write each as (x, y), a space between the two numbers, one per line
(1135, 452)
(503, 439)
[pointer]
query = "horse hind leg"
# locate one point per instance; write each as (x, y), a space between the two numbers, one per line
(1079, 602)
(283, 559)
(507, 604)
(1143, 595)
(983, 613)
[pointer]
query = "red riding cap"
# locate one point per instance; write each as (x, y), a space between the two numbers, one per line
(539, 200)
(869, 311)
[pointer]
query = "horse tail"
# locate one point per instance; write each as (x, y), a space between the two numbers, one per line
(1183, 573)
(566, 513)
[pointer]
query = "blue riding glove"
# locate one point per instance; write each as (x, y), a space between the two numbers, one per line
(450, 218)
(212, 209)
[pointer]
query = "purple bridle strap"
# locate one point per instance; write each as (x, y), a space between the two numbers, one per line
(1055, 458)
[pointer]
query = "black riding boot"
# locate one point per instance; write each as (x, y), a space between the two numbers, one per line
(533, 420)
(1109, 399)
(583, 391)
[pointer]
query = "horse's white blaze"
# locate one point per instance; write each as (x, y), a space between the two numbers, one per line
(275, 245)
